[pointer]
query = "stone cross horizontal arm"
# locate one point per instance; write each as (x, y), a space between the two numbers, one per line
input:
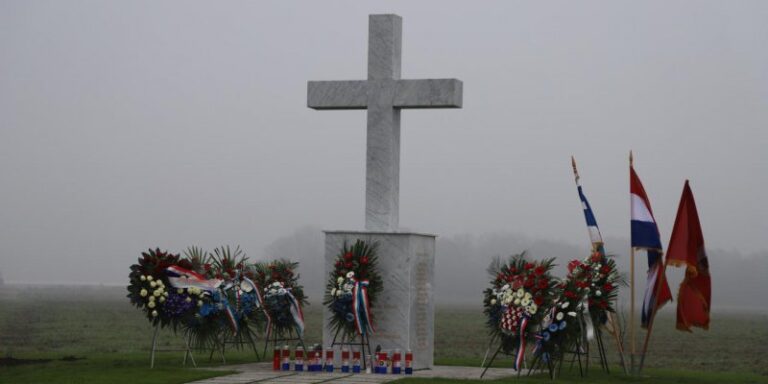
(353, 94)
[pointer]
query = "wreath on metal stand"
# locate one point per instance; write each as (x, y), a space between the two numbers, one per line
(351, 293)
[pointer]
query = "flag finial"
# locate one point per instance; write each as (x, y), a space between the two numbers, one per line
(630, 158)
(575, 171)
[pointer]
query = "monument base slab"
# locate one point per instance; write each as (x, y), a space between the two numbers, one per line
(404, 312)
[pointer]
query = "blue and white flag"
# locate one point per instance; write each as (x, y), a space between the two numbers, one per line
(594, 231)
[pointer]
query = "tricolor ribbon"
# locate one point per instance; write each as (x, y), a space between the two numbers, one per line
(296, 312)
(361, 308)
(182, 278)
(260, 303)
(521, 347)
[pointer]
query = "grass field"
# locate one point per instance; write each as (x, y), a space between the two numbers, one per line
(103, 339)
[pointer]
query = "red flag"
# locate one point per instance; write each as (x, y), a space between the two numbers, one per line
(686, 247)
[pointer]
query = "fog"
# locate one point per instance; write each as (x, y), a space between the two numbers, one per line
(129, 125)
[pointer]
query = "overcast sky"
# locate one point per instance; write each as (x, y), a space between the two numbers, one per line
(128, 125)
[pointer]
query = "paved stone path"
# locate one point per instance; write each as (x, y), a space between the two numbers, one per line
(262, 373)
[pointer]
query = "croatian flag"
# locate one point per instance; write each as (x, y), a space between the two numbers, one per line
(645, 235)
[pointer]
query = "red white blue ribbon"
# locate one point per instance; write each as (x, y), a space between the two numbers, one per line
(521, 347)
(361, 308)
(260, 303)
(230, 314)
(296, 312)
(182, 278)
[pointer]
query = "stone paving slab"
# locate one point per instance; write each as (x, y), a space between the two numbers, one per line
(262, 373)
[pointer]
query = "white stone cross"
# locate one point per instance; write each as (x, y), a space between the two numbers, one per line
(384, 94)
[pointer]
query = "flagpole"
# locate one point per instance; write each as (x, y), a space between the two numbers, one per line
(632, 309)
(632, 288)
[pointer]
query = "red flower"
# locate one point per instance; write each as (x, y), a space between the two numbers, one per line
(605, 269)
(596, 257)
(513, 270)
(364, 260)
(348, 256)
(528, 266)
(516, 285)
(608, 287)
(603, 304)
(538, 300)
(539, 270)
(348, 264)
(543, 284)
(528, 283)
(572, 265)
(338, 263)
(207, 267)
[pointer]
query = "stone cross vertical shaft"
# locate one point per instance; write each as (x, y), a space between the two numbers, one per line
(384, 94)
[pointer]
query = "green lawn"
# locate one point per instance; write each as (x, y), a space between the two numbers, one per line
(113, 338)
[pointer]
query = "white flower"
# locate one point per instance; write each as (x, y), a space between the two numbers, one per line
(151, 304)
(493, 301)
(339, 280)
(338, 293)
(149, 277)
(199, 303)
(572, 314)
(532, 308)
(165, 294)
(333, 292)
(520, 292)
(157, 293)
(565, 305)
(143, 293)
(143, 278)
(527, 296)
(162, 299)
(189, 300)
(151, 299)
(154, 313)
(179, 291)
(525, 301)
(505, 287)
(350, 274)
(598, 293)
(160, 283)
(559, 316)
(153, 284)
(517, 301)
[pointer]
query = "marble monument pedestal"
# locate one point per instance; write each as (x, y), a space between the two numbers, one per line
(404, 311)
